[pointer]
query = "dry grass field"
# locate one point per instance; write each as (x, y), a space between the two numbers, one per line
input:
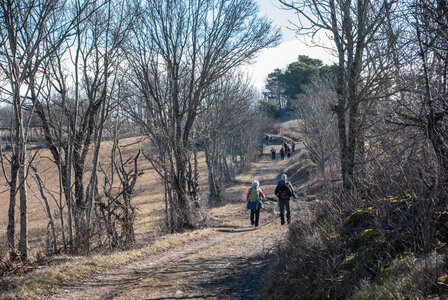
(148, 198)
(228, 240)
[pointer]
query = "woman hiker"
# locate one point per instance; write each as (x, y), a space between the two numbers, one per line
(282, 153)
(253, 198)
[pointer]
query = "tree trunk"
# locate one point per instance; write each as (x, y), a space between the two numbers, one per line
(10, 231)
(226, 169)
(23, 242)
(213, 198)
(439, 144)
(82, 232)
(47, 210)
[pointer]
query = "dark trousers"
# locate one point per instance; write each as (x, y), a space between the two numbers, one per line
(273, 155)
(254, 216)
(282, 205)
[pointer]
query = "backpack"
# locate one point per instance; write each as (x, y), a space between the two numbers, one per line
(254, 195)
(284, 193)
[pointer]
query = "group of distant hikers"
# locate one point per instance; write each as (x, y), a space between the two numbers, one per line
(284, 150)
(284, 191)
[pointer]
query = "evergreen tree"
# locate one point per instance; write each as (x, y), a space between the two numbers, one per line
(282, 87)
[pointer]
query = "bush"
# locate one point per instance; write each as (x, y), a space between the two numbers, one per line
(270, 108)
(344, 251)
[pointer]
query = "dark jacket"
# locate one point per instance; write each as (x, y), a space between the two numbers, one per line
(284, 186)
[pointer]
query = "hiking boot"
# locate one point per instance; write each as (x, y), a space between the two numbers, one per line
(282, 223)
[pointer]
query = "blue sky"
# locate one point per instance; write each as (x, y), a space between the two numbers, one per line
(288, 50)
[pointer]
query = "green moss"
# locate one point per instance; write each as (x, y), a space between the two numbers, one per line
(440, 246)
(384, 274)
(442, 215)
(358, 217)
(368, 234)
(443, 280)
(350, 262)
(398, 199)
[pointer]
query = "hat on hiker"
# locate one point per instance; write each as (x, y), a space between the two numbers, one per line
(255, 183)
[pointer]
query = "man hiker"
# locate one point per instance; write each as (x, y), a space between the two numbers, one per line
(284, 191)
(273, 151)
(293, 145)
(253, 199)
(282, 153)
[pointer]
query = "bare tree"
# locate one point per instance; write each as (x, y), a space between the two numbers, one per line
(183, 47)
(427, 106)
(116, 206)
(365, 65)
(72, 115)
(220, 120)
(319, 123)
(42, 189)
(24, 30)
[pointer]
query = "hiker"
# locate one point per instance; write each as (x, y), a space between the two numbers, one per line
(267, 140)
(284, 191)
(288, 151)
(273, 151)
(293, 145)
(282, 153)
(253, 198)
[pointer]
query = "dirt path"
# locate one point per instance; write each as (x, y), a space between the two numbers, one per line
(205, 268)
(229, 263)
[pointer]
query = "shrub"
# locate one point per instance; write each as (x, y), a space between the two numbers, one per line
(270, 108)
(344, 251)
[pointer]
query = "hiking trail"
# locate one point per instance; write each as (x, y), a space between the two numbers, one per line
(229, 263)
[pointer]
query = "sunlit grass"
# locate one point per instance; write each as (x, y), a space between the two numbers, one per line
(48, 280)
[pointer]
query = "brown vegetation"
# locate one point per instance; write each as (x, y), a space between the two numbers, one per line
(378, 229)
